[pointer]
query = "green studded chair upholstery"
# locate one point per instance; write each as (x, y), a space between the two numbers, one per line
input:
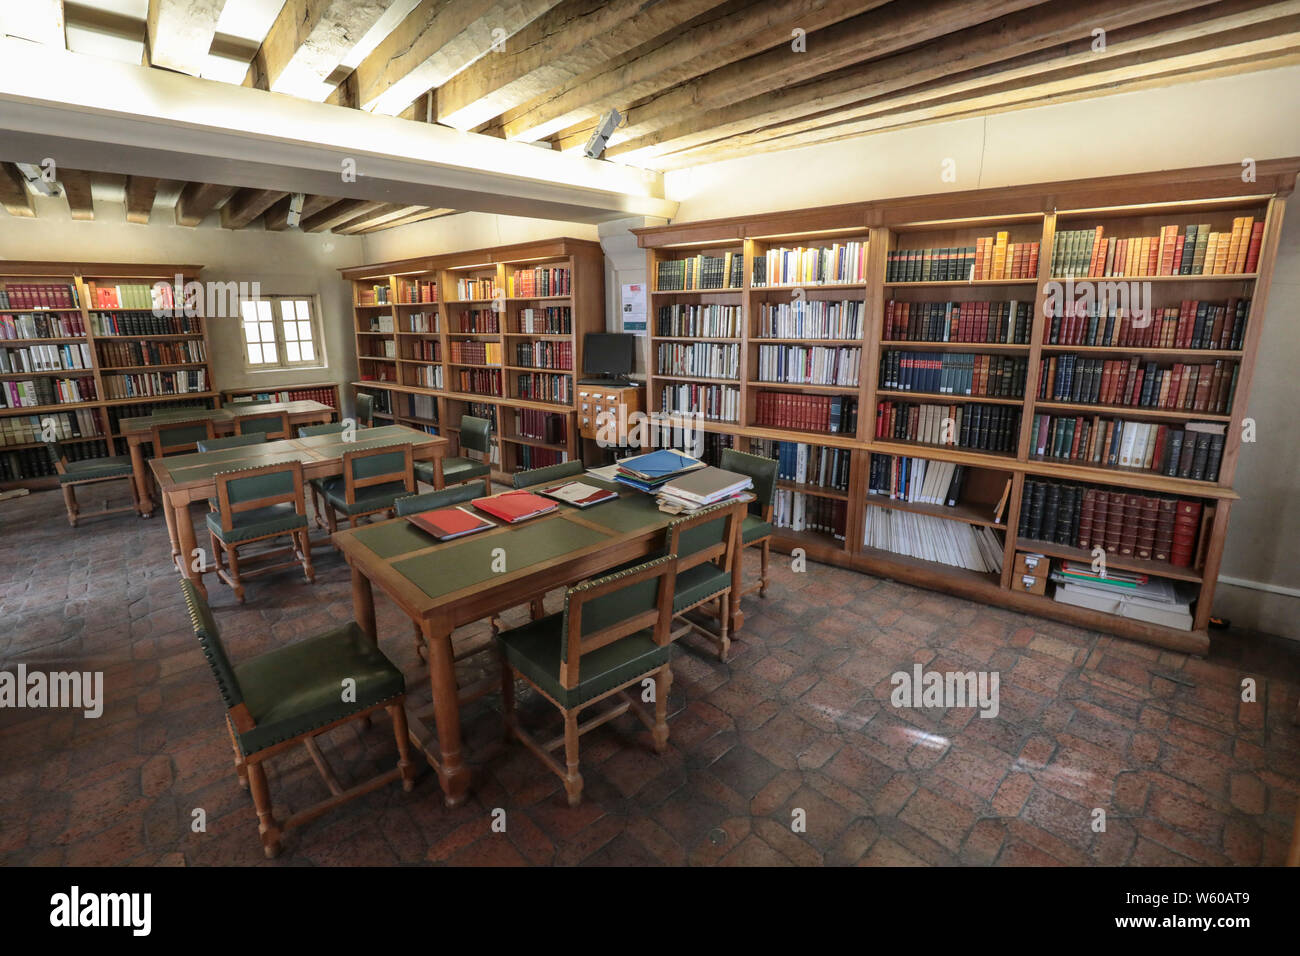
(230, 441)
(180, 438)
(257, 504)
(365, 409)
(432, 500)
(328, 428)
(290, 695)
(549, 473)
(90, 471)
(611, 635)
(475, 435)
(274, 425)
(757, 530)
(372, 480)
(704, 545)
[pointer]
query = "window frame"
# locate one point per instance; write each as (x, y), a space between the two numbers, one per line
(283, 363)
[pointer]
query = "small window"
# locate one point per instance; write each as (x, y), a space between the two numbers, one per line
(281, 332)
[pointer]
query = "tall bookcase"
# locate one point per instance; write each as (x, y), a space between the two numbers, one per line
(122, 359)
(493, 332)
(840, 498)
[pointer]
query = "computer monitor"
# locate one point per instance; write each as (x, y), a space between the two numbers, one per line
(608, 355)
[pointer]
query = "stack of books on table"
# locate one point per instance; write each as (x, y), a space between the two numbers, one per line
(700, 488)
(651, 471)
(1126, 593)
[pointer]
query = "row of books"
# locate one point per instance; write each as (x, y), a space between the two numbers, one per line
(700, 272)
(541, 426)
(423, 406)
(35, 325)
(381, 323)
(417, 290)
(543, 280)
(379, 349)
(544, 354)
(117, 413)
(117, 354)
(326, 396)
(421, 322)
(482, 410)
(424, 350)
(921, 480)
(429, 376)
(699, 360)
(544, 387)
(65, 426)
(37, 463)
(1193, 451)
(930, 538)
(717, 403)
(1196, 250)
(802, 365)
(703, 321)
(803, 512)
(45, 358)
(474, 353)
(993, 428)
(954, 373)
(810, 319)
(552, 320)
(992, 257)
(479, 381)
(374, 295)
(129, 295)
(476, 322)
(1193, 324)
(38, 295)
(529, 456)
(815, 265)
(33, 393)
(144, 323)
(806, 464)
(155, 383)
(1207, 388)
(832, 414)
(472, 289)
(1131, 524)
(1005, 322)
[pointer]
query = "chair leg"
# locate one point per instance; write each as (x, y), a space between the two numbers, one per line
(663, 685)
(765, 555)
(421, 648)
(241, 769)
(232, 556)
(572, 779)
(405, 767)
(70, 503)
(267, 826)
(308, 571)
(507, 697)
(331, 519)
(724, 622)
(537, 608)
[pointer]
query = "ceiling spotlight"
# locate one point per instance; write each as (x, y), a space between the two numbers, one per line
(32, 173)
(295, 210)
(600, 136)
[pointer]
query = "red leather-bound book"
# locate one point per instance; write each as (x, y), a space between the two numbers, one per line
(513, 506)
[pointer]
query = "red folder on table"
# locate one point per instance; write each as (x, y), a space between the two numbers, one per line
(512, 506)
(447, 523)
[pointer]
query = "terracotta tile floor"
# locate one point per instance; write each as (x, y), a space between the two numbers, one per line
(799, 720)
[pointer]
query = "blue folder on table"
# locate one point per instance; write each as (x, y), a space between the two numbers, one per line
(647, 472)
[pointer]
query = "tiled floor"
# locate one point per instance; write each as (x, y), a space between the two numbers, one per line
(800, 719)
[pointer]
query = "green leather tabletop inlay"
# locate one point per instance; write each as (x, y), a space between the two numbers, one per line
(392, 538)
(204, 470)
(468, 561)
(629, 513)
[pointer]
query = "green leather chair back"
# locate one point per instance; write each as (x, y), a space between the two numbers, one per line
(432, 500)
(275, 425)
(365, 409)
(230, 441)
(205, 629)
(762, 471)
(373, 466)
(475, 433)
(700, 532)
(329, 428)
(275, 484)
(565, 469)
(617, 605)
(179, 438)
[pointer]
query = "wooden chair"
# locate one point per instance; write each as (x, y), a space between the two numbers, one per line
(275, 425)
(257, 504)
(230, 441)
(91, 471)
(372, 480)
(328, 428)
(548, 473)
(611, 635)
(290, 695)
(704, 545)
(475, 435)
(757, 529)
(180, 438)
(365, 409)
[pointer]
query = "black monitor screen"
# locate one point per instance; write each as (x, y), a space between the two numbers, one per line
(608, 353)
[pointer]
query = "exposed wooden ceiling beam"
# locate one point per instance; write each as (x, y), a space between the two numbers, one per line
(562, 43)
(76, 187)
(276, 219)
(41, 21)
(197, 200)
(435, 41)
(246, 205)
(13, 192)
(180, 33)
(1029, 32)
(339, 212)
(140, 194)
(730, 32)
(420, 216)
(382, 213)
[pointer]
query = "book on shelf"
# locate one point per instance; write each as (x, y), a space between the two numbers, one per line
(129, 295)
(447, 524)
(377, 294)
(36, 325)
(81, 423)
(544, 387)
(38, 295)
(423, 406)
(799, 511)
(923, 480)
(426, 322)
(417, 290)
(718, 403)
(699, 272)
(840, 262)
(143, 323)
(476, 322)
(1006, 323)
(479, 381)
(135, 384)
(1192, 324)
(30, 393)
(429, 376)
(27, 463)
(931, 538)
(833, 414)
(1208, 387)
(1193, 451)
(991, 258)
(1189, 250)
(381, 323)
(808, 365)
(117, 354)
(45, 358)
(538, 425)
(953, 373)
(474, 353)
(703, 321)
(531, 457)
(810, 319)
(805, 464)
(1155, 601)
(552, 320)
(541, 281)
(989, 428)
(549, 354)
(474, 289)
(699, 360)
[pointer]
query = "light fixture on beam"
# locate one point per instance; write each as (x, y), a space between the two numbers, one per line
(600, 136)
(295, 210)
(33, 174)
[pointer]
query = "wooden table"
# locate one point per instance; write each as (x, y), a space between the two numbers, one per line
(445, 585)
(139, 431)
(188, 478)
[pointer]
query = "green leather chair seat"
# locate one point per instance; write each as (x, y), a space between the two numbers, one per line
(117, 466)
(276, 519)
(698, 583)
(755, 528)
(454, 470)
(534, 650)
(299, 687)
(371, 498)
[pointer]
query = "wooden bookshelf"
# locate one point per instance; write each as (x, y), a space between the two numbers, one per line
(327, 393)
(113, 360)
(1127, 207)
(432, 359)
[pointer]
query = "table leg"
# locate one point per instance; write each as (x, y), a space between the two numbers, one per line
(185, 542)
(438, 481)
(737, 578)
(363, 604)
(453, 775)
(171, 529)
(140, 475)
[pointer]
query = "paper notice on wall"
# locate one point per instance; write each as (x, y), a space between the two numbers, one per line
(634, 308)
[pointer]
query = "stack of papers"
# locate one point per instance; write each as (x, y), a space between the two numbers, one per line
(513, 506)
(1155, 600)
(648, 472)
(579, 494)
(700, 488)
